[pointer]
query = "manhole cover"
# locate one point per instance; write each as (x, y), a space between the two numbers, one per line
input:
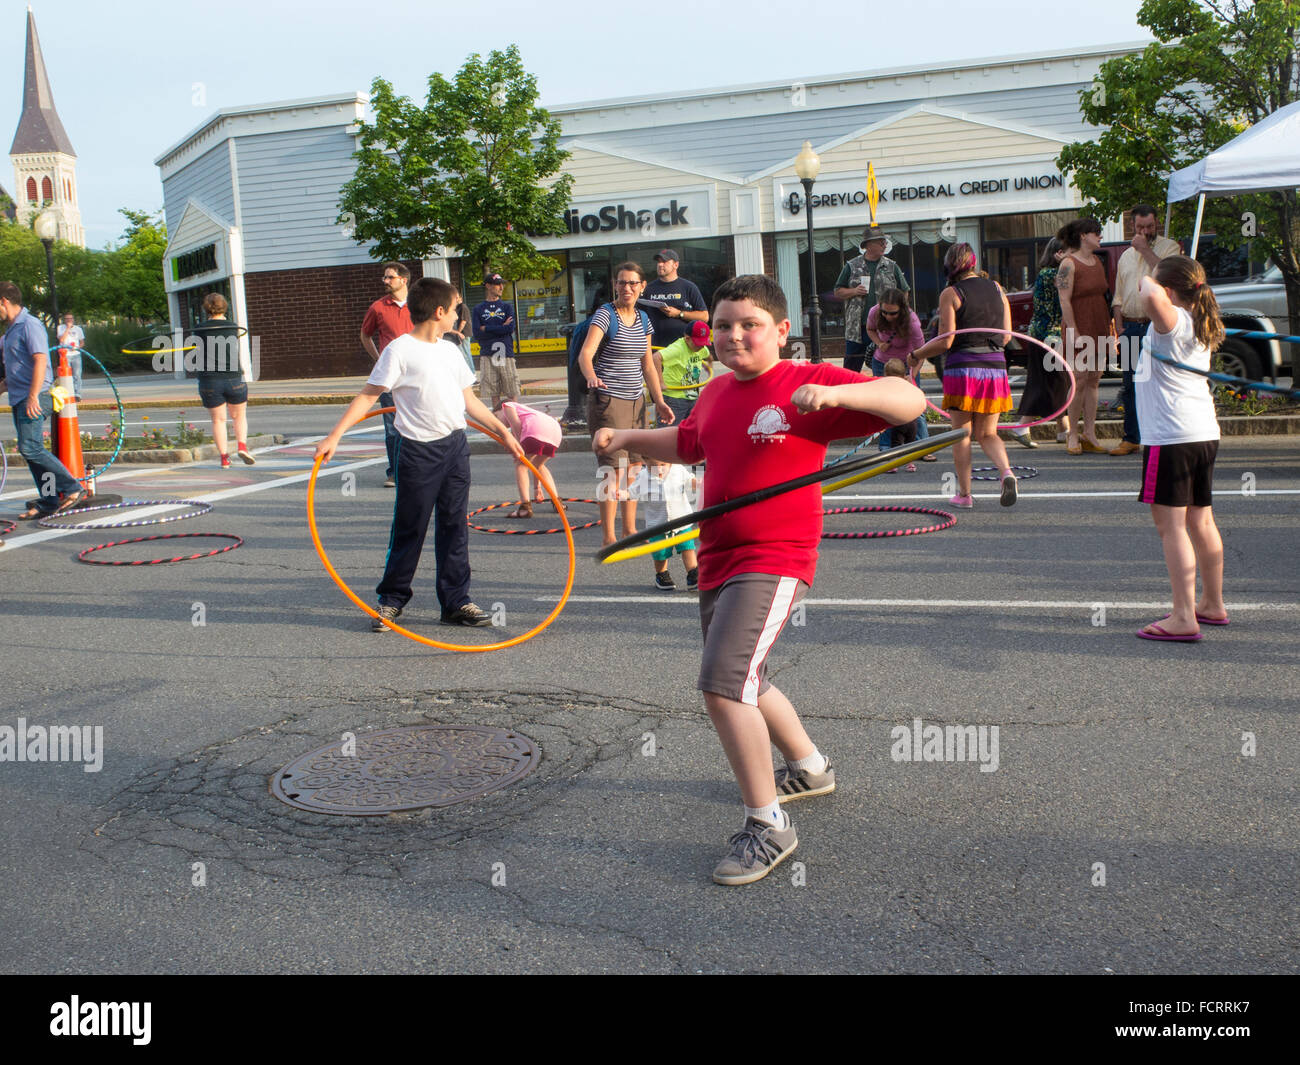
(406, 769)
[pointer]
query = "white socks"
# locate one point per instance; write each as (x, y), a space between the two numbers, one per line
(814, 763)
(773, 814)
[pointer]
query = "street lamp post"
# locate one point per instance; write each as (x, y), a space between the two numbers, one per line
(807, 165)
(47, 228)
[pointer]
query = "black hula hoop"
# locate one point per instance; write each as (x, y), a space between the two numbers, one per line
(938, 527)
(1023, 473)
(159, 561)
(527, 532)
(50, 522)
(826, 473)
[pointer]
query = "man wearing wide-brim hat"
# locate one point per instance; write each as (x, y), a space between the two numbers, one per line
(858, 285)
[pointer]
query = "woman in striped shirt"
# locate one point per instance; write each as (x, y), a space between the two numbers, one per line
(617, 374)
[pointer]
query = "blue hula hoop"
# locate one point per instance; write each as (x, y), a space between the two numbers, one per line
(1227, 379)
(121, 416)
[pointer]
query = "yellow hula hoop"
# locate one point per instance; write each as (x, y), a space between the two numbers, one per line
(692, 387)
(641, 550)
(156, 351)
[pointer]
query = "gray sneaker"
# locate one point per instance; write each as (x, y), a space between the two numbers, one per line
(756, 850)
(469, 614)
(386, 613)
(803, 784)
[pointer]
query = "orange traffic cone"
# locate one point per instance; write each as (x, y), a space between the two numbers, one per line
(67, 432)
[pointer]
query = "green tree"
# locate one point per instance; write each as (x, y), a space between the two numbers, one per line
(473, 169)
(124, 282)
(1216, 69)
(136, 286)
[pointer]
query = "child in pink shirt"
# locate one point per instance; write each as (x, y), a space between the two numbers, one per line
(539, 435)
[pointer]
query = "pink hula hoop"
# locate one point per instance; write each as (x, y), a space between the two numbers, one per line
(1020, 336)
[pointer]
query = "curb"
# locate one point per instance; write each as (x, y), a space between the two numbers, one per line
(168, 456)
(310, 400)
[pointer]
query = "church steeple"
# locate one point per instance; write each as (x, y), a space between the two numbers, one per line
(39, 129)
(45, 165)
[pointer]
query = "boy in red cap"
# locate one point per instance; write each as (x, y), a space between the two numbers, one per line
(683, 367)
(767, 421)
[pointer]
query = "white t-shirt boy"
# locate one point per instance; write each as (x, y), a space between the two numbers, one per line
(428, 383)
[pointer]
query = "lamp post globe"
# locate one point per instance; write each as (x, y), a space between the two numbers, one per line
(47, 229)
(807, 166)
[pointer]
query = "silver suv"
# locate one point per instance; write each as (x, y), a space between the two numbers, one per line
(1258, 303)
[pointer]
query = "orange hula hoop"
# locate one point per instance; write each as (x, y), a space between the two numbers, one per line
(468, 648)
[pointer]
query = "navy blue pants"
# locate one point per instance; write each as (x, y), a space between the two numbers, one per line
(432, 482)
(1135, 336)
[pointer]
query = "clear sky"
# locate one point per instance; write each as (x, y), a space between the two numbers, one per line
(124, 75)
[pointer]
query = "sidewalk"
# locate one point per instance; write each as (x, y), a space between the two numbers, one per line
(164, 390)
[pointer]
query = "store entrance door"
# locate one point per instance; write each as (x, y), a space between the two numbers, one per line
(589, 281)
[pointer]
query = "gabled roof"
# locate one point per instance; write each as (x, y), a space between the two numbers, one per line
(39, 129)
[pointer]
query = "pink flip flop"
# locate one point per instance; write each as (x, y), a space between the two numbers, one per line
(1203, 619)
(1161, 634)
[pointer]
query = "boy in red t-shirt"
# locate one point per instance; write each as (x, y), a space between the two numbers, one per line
(767, 421)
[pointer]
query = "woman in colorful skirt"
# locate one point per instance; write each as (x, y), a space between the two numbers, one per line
(975, 386)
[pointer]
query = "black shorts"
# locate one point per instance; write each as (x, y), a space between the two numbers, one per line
(215, 391)
(1178, 475)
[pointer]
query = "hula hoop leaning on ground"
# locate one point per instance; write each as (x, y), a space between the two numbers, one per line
(468, 648)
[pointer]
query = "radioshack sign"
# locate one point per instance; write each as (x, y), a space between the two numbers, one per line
(636, 218)
(918, 193)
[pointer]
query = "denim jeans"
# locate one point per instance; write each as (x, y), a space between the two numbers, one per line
(74, 364)
(1135, 335)
(886, 439)
(390, 433)
(51, 476)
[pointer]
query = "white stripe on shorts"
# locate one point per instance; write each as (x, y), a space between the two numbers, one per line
(782, 602)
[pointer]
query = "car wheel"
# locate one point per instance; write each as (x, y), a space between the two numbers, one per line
(1238, 359)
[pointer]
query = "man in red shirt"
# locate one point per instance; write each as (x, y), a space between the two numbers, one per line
(387, 319)
(767, 421)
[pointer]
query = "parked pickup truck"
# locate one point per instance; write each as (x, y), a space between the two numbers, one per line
(1022, 305)
(1258, 303)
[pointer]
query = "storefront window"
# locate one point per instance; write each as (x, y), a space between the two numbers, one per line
(1013, 244)
(190, 301)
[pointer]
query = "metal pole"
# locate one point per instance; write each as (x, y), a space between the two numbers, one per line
(54, 292)
(1196, 234)
(815, 311)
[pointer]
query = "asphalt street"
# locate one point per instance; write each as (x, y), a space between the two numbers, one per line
(1141, 818)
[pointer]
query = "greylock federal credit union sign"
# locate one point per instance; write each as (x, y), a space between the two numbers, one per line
(637, 217)
(923, 192)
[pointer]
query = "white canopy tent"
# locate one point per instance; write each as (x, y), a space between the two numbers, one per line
(1263, 158)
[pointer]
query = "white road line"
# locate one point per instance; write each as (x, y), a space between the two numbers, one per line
(211, 497)
(1028, 495)
(973, 604)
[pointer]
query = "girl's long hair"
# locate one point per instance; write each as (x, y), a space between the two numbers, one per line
(1186, 278)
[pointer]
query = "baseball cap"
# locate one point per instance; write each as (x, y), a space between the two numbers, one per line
(700, 332)
(664, 254)
(494, 279)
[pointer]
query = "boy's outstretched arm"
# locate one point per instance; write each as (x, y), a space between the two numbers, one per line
(358, 407)
(895, 399)
(658, 444)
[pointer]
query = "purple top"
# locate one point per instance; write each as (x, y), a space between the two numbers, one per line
(898, 343)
